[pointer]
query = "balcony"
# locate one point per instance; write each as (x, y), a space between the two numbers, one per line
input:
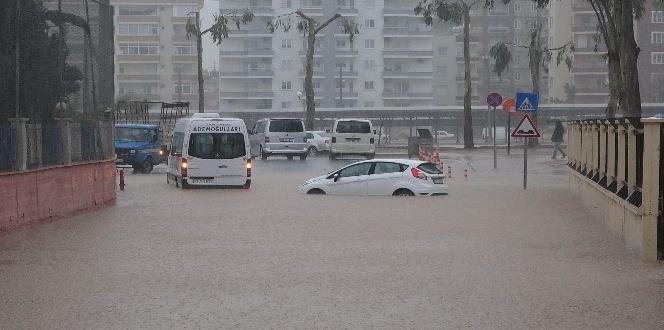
(347, 11)
(250, 33)
(247, 74)
(407, 95)
(253, 95)
(408, 74)
(499, 29)
(584, 27)
(346, 53)
(403, 53)
(398, 31)
(399, 11)
(247, 53)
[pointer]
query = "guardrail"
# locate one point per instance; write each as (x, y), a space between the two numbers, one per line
(622, 159)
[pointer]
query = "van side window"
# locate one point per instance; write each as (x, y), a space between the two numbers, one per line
(177, 144)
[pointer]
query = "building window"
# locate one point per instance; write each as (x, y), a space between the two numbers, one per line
(183, 68)
(517, 6)
(369, 85)
(286, 105)
(369, 3)
(179, 29)
(341, 43)
(517, 76)
(183, 11)
(657, 38)
(286, 64)
(517, 24)
(286, 85)
(138, 30)
(138, 68)
(369, 65)
(534, 7)
(129, 10)
(369, 104)
(370, 23)
(369, 43)
(286, 3)
(316, 84)
(442, 51)
(657, 58)
(658, 16)
(185, 88)
(517, 59)
(138, 49)
(184, 49)
(286, 43)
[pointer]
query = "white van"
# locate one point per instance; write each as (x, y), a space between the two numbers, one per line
(353, 137)
(208, 150)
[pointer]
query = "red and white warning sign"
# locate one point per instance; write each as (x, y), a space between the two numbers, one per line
(526, 129)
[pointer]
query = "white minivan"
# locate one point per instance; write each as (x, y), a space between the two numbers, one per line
(208, 150)
(353, 137)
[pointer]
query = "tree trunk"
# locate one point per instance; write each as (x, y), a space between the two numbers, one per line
(615, 84)
(201, 82)
(309, 73)
(468, 90)
(629, 55)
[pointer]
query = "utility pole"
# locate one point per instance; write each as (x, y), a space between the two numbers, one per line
(19, 31)
(199, 51)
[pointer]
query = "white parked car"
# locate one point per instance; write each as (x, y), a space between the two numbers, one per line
(317, 141)
(380, 177)
(444, 135)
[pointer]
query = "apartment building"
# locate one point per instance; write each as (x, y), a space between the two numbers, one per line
(511, 23)
(154, 58)
(391, 63)
(588, 81)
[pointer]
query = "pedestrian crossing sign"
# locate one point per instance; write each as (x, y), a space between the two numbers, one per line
(526, 102)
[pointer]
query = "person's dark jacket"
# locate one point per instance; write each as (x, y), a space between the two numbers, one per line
(558, 133)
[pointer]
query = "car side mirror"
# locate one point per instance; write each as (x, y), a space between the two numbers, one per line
(336, 177)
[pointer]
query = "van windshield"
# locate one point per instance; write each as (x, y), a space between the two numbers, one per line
(353, 126)
(217, 145)
(286, 126)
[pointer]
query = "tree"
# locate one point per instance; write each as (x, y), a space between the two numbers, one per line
(219, 31)
(570, 92)
(457, 11)
(310, 28)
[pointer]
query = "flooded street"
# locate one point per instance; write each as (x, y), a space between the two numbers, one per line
(487, 256)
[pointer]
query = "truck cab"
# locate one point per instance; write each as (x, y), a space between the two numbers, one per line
(139, 146)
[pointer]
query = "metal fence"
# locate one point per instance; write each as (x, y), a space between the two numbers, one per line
(7, 147)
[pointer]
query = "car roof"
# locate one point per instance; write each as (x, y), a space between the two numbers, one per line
(410, 162)
(136, 126)
(353, 119)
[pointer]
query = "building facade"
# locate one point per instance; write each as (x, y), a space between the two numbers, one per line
(154, 58)
(588, 81)
(395, 61)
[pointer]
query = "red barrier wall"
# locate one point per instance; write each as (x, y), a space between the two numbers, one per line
(47, 193)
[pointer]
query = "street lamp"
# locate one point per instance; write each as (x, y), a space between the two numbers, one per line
(300, 96)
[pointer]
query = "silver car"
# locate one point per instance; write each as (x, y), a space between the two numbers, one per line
(279, 136)
(318, 141)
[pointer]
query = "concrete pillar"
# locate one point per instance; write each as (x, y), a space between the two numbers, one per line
(631, 159)
(602, 148)
(651, 189)
(594, 130)
(65, 139)
(611, 153)
(20, 127)
(587, 147)
(620, 177)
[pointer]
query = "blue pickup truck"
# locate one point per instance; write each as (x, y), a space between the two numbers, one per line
(139, 146)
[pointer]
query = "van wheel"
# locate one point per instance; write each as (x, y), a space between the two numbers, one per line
(332, 156)
(312, 151)
(304, 156)
(263, 155)
(148, 166)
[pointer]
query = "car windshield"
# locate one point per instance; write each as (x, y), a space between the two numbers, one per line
(286, 126)
(429, 168)
(132, 134)
(353, 126)
(217, 145)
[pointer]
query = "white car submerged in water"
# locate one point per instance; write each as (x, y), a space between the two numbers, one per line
(381, 177)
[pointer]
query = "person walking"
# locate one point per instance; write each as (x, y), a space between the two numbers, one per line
(557, 139)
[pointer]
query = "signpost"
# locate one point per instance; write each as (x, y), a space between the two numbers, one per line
(527, 103)
(494, 100)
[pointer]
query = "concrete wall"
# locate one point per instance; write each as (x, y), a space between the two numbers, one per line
(620, 217)
(47, 193)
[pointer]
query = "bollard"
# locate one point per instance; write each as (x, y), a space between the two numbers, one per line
(449, 171)
(122, 183)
